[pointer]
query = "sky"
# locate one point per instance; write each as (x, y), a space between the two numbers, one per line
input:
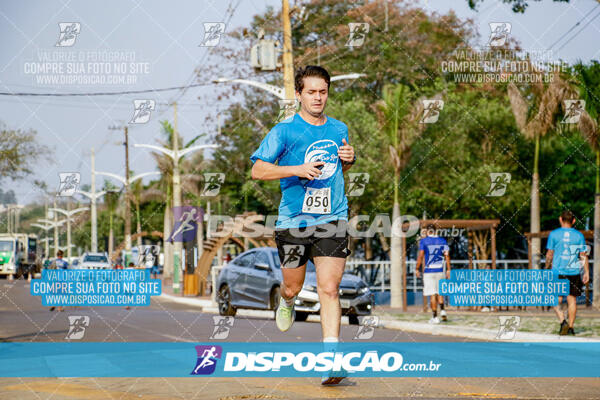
(159, 45)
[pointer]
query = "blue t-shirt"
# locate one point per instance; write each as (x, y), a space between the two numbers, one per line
(567, 244)
(61, 263)
(434, 248)
(295, 142)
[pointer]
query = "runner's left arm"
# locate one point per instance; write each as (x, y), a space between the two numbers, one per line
(586, 266)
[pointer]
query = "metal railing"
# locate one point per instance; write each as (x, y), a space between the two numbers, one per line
(377, 273)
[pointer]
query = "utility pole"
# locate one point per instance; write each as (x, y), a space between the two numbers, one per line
(127, 200)
(288, 61)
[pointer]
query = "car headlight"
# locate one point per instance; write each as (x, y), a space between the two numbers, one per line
(363, 290)
(310, 288)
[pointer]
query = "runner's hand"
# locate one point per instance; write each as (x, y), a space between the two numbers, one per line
(586, 278)
(346, 152)
(310, 170)
(418, 273)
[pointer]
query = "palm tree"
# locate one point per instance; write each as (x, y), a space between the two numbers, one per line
(165, 165)
(398, 115)
(535, 114)
(588, 77)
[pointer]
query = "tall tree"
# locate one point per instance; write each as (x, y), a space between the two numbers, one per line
(588, 77)
(19, 150)
(535, 113)
(399, 113)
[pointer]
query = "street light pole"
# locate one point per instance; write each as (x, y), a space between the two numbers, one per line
(175, 154)
(126, 181)
(69, 214)
(46, 228)
(93, 196)
(177, 246)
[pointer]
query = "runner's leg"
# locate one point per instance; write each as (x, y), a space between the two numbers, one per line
(293, 279)
(329, 276)
(572, 307)
(558, 311)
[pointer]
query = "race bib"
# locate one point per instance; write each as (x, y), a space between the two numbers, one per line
(317, 201)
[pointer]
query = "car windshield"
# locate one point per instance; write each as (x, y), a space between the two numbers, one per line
(95, 258)
(6, 245)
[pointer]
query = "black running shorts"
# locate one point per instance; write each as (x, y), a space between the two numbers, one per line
(297, 245)
(575, 284)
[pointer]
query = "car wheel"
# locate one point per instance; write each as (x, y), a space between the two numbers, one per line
(224, 300)
(301, 316)
(353, 319)
(275, 296)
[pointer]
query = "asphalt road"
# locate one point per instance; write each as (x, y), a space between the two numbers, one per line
(23, 319)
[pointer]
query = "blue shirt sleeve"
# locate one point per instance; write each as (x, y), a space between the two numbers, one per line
(445, 249)
(581, 243)
(271, 147)
(422, 244)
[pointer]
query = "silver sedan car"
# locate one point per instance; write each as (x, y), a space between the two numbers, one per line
(253, 278)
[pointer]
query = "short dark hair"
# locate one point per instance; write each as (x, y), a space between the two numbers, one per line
(430, 226)
(567, 216)
(310, 70)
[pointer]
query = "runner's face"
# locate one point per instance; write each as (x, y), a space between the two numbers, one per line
(314, 95)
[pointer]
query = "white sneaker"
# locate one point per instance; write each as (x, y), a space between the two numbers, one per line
(434, 320)
(285, 315)
(443, 315)
(485, 309)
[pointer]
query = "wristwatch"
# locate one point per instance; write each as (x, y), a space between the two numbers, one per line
(349, 162)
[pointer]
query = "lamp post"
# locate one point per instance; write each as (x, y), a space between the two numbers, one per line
(126, 181)
(53, 224)
(68, 214)
(175, 154)
(93, 196)
(277, 91)
(46, 228)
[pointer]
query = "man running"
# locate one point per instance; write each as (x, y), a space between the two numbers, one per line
(433, 251)
(567, 256)
(312, 152)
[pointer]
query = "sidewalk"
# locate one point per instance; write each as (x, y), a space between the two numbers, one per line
(535, 326)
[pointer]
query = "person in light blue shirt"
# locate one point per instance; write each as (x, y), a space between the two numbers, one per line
(308, 153)
(567, 257)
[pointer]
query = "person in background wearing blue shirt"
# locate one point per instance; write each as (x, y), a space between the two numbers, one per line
(312, 152)
(59, 263)
(567, 256)
(433, 251)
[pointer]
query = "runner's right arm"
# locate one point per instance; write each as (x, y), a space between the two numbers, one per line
(549, 256)
(267, 171)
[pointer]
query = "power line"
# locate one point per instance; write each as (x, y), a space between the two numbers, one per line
(102, 93)
(578, 32)
(574, 26)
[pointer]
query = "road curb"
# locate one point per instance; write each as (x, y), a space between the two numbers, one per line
(416, 327)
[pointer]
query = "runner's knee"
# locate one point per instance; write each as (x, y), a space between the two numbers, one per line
(328, 290)
(289, 291)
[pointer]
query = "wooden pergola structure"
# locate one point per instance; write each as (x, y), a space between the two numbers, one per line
(470, 225)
